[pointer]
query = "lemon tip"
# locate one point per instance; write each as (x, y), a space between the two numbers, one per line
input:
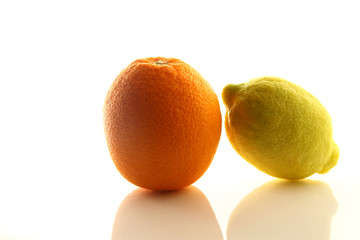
(228, 94)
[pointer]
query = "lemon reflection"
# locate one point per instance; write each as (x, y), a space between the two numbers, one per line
(184, 214)
(284, 210)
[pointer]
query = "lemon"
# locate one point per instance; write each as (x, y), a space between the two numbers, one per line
(280, 128)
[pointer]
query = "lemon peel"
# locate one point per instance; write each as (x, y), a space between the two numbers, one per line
(279, 127)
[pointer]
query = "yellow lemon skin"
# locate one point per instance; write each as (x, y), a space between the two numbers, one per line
(280, 128)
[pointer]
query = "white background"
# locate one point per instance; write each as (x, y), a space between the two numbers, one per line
(57, 61)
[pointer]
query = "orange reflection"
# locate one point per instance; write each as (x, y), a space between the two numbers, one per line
(185, 214)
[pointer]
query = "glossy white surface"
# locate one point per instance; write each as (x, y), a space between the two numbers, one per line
(57, 61)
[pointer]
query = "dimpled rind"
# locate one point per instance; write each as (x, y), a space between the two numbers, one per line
(280, 128)
(162, 123)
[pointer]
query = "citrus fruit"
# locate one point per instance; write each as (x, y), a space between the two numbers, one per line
(279, 127)
(162, 123)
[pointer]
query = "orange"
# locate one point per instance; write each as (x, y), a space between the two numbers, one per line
(162, 123)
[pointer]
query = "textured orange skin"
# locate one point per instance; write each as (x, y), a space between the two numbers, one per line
(162, 123)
